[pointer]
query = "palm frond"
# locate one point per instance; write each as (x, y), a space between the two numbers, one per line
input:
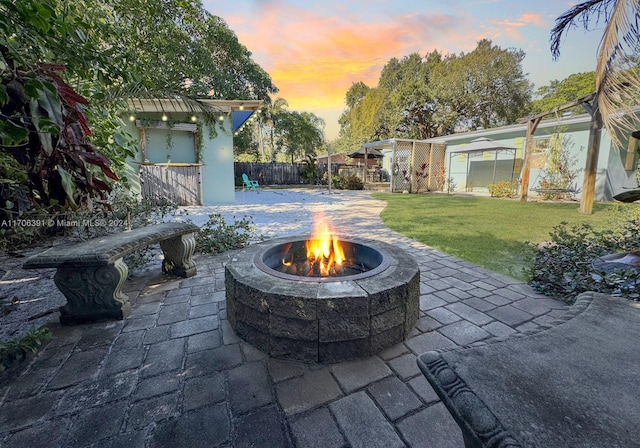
(617, 76)
(592, 11)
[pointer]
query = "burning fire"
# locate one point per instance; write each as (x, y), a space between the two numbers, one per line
(324, 252)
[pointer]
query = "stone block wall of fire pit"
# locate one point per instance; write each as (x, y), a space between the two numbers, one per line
(328, 321)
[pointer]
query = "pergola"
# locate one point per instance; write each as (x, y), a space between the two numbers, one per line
(480, 146)
(590, 104)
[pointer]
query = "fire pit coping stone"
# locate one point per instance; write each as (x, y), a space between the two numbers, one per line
(322, 321)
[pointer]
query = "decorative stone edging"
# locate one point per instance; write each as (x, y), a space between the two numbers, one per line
(322, 321)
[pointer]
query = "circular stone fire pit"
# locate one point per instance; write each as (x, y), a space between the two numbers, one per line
(323, 319)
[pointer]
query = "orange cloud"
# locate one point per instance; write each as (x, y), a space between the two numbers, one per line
(314, 59)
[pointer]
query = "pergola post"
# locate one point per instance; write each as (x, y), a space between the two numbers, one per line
(430, 165)
(412, 177)
(364, 176)
(591, 166)
(532, 124)
(329, 167)
(526, 164)
(392, 177)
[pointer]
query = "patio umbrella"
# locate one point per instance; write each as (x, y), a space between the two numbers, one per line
(366, 154)
(371, 153)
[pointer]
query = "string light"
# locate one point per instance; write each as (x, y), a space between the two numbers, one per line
(194, 118)
(164, 117)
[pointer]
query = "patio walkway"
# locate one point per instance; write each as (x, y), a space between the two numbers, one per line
(173, 374)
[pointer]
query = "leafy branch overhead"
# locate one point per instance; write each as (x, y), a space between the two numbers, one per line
(57, 147)
(44, 129)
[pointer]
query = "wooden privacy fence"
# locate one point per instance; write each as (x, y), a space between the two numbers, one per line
(180, 183)
(271, 173)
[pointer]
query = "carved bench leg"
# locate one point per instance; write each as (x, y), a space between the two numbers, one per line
(178, 253)
(93, 292)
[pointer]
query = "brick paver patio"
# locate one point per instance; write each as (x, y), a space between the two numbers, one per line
(173, 374)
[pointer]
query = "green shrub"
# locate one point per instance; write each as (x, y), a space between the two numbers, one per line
(563, 267)
(18, 349)
(310, 172)
(352, 182)
(216, 236)
(503, 189)
(337, 182)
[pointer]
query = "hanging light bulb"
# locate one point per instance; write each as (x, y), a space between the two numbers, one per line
(164, 117)
(194, 118)
(221, 118)
(132, 118)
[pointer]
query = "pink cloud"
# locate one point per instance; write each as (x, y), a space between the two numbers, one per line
(314, 56)
(513, 27)
(533, 18)
(314, 59)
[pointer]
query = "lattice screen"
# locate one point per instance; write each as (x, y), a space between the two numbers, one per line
(419, 167)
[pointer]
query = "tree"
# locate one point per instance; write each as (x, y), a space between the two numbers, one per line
(423, 97)
(268, 123)
(299, 134)
(484, 88)
(45, 152)
(557, 93)
(106, 50)
(198, 53)
(617, 80)
(415, 104)
(288, 133)
(245, 146)
(355, 94)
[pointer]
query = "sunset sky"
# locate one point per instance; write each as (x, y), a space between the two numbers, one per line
(315, 50)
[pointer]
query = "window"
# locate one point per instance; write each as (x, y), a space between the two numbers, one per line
(541, 145)
(540, 152)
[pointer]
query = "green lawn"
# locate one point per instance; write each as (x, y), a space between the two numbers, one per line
(488, 232)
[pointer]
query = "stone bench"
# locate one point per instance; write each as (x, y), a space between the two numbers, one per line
(573, 383)
(90, 274)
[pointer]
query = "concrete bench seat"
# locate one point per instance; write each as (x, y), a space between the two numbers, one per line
(90, 274)
(573, 383)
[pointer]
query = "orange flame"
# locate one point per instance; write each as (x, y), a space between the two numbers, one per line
(324, 249)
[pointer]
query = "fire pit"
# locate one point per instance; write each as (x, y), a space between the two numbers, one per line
(292, 304)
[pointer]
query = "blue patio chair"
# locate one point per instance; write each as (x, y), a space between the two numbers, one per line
(249, 183)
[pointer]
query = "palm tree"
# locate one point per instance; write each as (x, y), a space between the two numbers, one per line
(617, 76)
(272, 114)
